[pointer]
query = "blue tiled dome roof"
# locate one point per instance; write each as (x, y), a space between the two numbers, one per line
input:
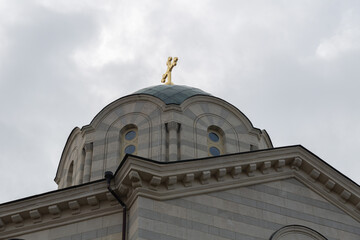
(172, 94)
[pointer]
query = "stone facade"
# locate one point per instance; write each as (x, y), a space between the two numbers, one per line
(174, 189)
(253, 212)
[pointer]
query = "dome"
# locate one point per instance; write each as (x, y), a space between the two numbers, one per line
(163, 123)
(172, 94)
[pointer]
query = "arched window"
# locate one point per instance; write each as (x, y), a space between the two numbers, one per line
(215, 141)
(129, 140)
(291, 232)
(70, 173)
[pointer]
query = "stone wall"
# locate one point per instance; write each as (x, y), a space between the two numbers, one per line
(246, 213)
(102, 228)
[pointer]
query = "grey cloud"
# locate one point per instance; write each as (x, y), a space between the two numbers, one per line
(260, 56)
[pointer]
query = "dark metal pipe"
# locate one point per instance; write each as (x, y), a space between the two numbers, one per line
(108, 176)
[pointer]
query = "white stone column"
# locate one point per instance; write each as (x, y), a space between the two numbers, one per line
(88, 161)
(80, 167)
(172, 129)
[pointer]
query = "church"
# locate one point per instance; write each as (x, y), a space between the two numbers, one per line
(173, 162)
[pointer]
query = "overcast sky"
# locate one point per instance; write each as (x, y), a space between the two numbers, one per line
(292, 67)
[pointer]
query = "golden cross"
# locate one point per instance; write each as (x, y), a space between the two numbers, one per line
(167, 74)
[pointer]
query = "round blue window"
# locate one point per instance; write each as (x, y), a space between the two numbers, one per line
(214, 151)
(130, 149)
(130, 135)
(213, 137)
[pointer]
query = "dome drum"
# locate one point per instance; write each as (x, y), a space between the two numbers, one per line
(167, 122)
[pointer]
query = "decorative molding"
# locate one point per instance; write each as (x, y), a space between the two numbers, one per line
(141, 177)
(296, 163)
(64, 207)
(314, 174)
(236, 171)
(93, 202)
(205, 176)
(123, 190)
(74, 206)
(220, 174)
(54, 210)
(35, 215)
(279, 165)
(188, 179)
(330, 184)
(250, 169)
(17, 219)
(154, 182)
(265, 167)
(170, 183)
(210, 174)
(345, 195)
(293, 231)
(135, 179)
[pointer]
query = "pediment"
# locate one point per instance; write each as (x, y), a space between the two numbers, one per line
(162, 181)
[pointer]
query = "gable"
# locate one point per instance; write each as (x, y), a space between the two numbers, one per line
(251, 212)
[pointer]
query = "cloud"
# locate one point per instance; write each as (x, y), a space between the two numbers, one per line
(38, 79)
(292, 68)
(346, 39)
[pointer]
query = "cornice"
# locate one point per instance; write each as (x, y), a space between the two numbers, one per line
(61, 207)
(138, 176)
(163, 181)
